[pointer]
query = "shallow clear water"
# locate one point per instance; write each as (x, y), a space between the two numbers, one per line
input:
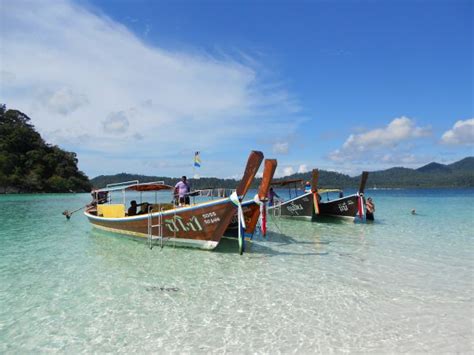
(402, 284)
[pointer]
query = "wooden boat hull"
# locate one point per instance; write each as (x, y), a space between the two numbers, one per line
(309, 206)
(304, 207)
(250, 209)
(200, 226)
(344, 207)
(299, 207)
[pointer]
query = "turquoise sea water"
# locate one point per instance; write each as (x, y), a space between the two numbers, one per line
(402, 284)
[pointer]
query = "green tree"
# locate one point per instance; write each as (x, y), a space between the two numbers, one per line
(29, 164)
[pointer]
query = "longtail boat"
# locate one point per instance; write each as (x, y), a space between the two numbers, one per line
(201, 225)
(311, 206)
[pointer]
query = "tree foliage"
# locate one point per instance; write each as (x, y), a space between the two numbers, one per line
(28, 164)
(458, 174)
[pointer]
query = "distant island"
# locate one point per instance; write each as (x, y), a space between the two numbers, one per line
(29, 164)
(458, 174)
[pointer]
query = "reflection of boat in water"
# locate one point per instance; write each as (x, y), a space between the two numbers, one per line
(311, 206)
(199, 225)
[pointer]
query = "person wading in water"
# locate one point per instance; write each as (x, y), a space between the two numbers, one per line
(370, 209)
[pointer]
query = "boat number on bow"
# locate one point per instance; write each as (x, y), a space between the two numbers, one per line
(294, 208)
(343, 207)
(179, 224)
(210, 218)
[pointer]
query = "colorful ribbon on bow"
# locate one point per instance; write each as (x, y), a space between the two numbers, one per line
(262, 218)
(234, 198)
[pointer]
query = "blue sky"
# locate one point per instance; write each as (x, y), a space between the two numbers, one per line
(138, 86)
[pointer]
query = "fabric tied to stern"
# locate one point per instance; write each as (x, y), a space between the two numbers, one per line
(234, 198)
(262, 219)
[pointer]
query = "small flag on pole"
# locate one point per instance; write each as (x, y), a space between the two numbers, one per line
(197, 159)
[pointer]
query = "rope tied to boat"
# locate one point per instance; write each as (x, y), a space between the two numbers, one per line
(262, 218)
(234, 198)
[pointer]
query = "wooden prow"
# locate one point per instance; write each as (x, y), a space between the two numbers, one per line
(314, 190)
(268, 172)
(253, 164)
(314, 180)
(363, 180)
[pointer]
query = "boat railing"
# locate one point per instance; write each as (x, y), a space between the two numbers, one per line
(119, 185)
(152, 183)
(277, 207)
(127, 184)
(211, 193)
(278, 200)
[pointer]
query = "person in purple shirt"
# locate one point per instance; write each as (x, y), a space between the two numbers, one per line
(271, 196)
(181, 190)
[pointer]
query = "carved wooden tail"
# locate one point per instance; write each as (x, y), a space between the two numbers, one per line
(363, 180)
(253, 163)
(314, 180)
(314, 190)
(268, 172)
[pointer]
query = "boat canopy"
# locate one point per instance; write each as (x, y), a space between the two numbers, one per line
(286, 182)
(136, 186)
(328, 190)
(296, 181)
(150, 187)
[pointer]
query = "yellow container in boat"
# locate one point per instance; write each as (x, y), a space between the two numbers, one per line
(111, 211)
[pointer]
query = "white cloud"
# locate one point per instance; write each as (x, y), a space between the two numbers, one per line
(359, 145)
(405, 159)
(282, 171)
(462, 133)
(303, 168)
(72, 71)
(280, 148)
(288, 171)
(117, 123)
(6, 77)
(63, 100)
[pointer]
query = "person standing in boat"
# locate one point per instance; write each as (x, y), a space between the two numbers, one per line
(307, 187)
(271, 196)
(182, 190)
(370, 209)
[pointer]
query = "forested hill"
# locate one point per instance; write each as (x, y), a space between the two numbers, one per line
(459, 174)
(29, 164)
